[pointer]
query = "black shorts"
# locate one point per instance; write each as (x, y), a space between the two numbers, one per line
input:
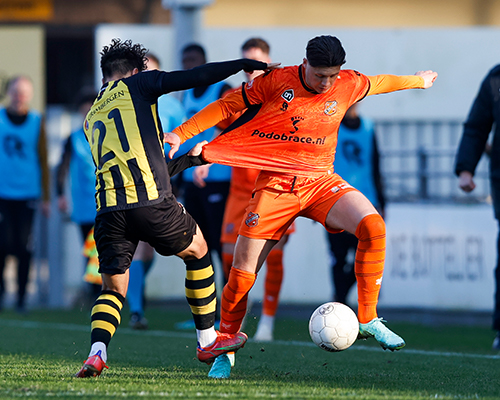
(166, 226)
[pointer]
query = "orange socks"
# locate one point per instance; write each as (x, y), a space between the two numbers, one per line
(272, 286)
(234, 299)
(227, 262)
(369, 265)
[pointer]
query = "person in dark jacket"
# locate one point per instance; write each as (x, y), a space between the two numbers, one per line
(484, 113)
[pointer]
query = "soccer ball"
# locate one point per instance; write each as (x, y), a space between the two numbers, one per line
(333, 326)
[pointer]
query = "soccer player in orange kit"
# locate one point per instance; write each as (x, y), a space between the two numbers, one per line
(290, 132)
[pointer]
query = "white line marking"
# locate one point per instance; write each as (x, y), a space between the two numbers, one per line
(155, 333)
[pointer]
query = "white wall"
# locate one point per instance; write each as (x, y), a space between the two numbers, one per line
(440, 256)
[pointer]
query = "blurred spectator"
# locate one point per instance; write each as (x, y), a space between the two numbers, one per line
(77, 160)
(483, 115)
(25, 180)
(357, 161)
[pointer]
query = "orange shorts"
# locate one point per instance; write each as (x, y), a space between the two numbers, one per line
(234, 214)
(280, 198)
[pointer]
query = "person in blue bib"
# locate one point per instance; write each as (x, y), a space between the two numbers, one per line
(25, 180)
(357, 161)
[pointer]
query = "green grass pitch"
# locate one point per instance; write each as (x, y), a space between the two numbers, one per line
(40, 352)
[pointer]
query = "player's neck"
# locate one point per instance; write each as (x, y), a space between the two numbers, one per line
(118, 76)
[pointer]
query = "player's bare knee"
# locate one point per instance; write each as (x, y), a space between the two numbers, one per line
(197, 249)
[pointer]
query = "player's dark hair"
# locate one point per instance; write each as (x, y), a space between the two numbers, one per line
(256, 43)
(325, 51)
(194, 47)
(122, 57)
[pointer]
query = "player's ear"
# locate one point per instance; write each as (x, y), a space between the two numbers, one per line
(304, 62)
(135, 71)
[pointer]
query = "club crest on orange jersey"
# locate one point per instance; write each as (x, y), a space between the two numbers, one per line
(288, 95)
(330, 107)
(252, 220)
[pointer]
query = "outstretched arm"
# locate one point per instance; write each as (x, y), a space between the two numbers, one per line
(210, 73)
(390, 83)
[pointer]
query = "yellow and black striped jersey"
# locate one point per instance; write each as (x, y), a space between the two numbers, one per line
(126, 137)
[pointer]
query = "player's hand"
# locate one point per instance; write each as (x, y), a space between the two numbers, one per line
(254, 65)
(271, 66)
(251, 75)
(200, 174)
(196, 150)
(174, 141)
(465, 181)
(429, 77)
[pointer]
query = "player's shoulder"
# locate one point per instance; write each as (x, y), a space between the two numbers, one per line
(148, 77)
(351, 73)
(280, 72)
(288, 70)
(280, 76)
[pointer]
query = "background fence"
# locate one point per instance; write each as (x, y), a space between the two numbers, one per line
(418, 162)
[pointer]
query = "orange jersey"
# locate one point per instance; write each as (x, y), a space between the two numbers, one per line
(288, 127)
(243, 181)
(295, 129)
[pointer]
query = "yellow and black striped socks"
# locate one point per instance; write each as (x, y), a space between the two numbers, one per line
(200, 291)
(106, 316)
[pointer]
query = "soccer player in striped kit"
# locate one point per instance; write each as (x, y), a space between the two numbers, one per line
(134, 195)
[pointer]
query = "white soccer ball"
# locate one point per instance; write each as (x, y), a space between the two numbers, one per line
(333, 326)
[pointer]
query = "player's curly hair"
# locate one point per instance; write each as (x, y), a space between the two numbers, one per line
(325, 51)
(122, 57)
